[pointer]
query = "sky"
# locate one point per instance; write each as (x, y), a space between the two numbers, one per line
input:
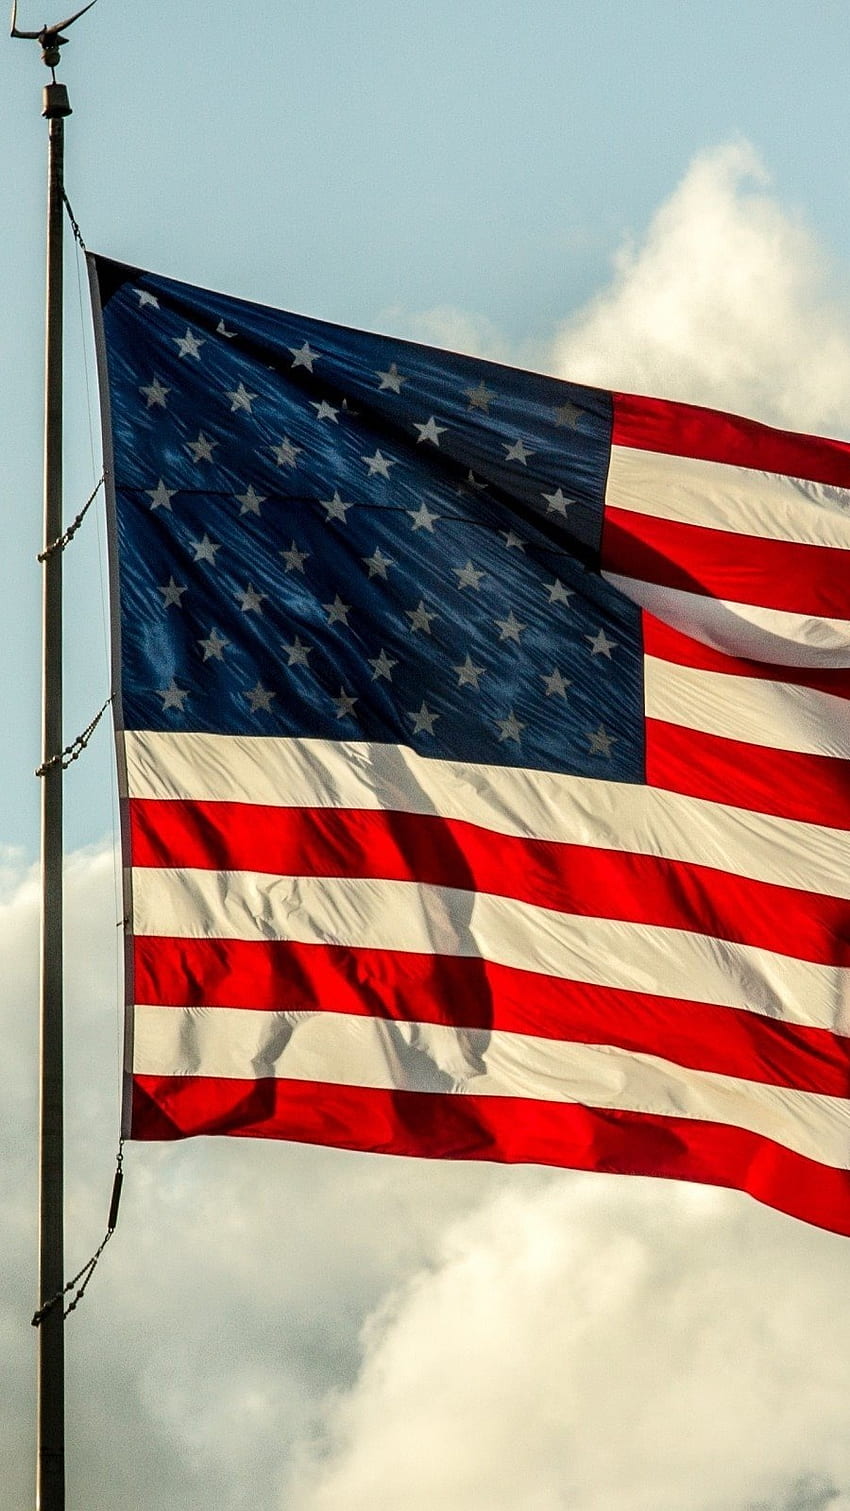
(643, 195)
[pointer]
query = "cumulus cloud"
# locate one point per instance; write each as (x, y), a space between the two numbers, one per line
(596, 1343)
(728, 301)
(276, 1326)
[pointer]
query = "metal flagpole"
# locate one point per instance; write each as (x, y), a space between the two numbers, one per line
(50, 1468)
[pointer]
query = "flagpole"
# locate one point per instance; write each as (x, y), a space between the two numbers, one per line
(50, 1430)
(50, 1485)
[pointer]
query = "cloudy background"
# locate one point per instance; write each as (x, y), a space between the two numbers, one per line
(649, 196)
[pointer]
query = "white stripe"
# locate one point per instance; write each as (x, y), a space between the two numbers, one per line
(746, 708)
(349, 1051)
(570, 810)
(719, 496)
(743, 629)
(403, 916)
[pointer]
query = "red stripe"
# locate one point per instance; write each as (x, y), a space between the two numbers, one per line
(752, 569)
(278, 976)
(785, 783)
(573, 879)
(667, 644)
(504, 1129)
(688, 430)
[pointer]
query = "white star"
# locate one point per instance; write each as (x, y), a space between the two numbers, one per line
(430, 431)
(513, 542)
(337, 611)
(557, 503)
(558, 593)
(250, 501)
(214, 646)
(391, 379)
(221, 330)
(286, 453)
(240, 398)
(600, 741)
(568, 414)
(422, 518)
(324, 410)
(160, 496)
(510, 728)
(250, 601)
(171, 593)
(420, 618)
(600, 645)
(173, 696)
(190, 344)
(260, 697)
(377, 563)
(510, 628)
(423, 721)
(335, 506)
(556, 685)
(480, 397)
(201, 450)
(154, 393)
(378, 465)
(205, 549)
(468, 576)
(302, 356)
(294, 558)
(297, 652)
(468, 675)
(145, 298)
(518, 452)
(383, 665)
(344, 704)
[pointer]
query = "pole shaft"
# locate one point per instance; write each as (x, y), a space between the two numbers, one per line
(50, 1488)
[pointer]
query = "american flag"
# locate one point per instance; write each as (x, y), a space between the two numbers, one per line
(483, 750)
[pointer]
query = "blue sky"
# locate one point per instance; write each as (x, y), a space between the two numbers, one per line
(645, 194)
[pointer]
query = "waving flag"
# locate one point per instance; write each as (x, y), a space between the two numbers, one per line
(483, 742)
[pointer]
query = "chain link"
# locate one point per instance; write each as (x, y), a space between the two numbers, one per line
(73, 751)
(90, 1266)
(61, 541)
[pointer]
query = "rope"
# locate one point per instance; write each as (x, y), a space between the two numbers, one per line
(88, 1269)
(78, 235)
(61, 541)
(76, 748)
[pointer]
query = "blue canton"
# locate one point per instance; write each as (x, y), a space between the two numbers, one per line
(327, 533)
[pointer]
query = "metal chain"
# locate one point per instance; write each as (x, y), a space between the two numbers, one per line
(78, 235)
(62, 540)
(90, 1266)
(76, 748)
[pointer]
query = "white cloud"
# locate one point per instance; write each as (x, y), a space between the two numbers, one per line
(601, 1343)
(727, 301)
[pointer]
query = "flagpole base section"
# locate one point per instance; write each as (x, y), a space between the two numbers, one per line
(55, 102)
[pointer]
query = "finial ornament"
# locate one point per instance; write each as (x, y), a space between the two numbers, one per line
(50, 37)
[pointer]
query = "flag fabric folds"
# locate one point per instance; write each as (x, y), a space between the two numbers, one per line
(483, 752)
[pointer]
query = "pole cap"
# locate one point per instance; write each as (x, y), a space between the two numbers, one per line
(55, 101)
